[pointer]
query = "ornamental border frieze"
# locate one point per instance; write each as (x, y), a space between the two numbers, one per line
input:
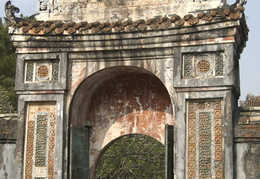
(165, 22)
(205, 139)
(40, 140)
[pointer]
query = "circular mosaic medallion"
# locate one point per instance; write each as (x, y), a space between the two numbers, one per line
(43, 71)
(203, 66)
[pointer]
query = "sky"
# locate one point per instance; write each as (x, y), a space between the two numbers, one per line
(249, 61)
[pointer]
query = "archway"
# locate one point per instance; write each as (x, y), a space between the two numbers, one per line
(115, 102)
(132, 156)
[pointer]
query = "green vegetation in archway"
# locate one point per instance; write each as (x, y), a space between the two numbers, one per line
(133, 156)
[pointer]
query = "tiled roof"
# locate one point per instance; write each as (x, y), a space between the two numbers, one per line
(173, 21)
(251, 101)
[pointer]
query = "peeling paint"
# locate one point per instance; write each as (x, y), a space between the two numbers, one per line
(125, 104)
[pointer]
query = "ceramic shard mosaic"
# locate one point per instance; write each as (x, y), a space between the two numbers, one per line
(188, 65)
(219, 65)
(41, 71)
(40, 140)
(30, 71)
(202, 65)
(55, 71)
(205, 140)
(205, 144)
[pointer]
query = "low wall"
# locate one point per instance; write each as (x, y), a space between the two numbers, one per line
(8, 127)
(247, 143)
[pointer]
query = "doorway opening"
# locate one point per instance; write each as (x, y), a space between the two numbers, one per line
(132, 156)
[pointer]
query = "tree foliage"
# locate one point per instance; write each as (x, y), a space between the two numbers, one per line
(7, 71)
(5, 102)
(133, 156)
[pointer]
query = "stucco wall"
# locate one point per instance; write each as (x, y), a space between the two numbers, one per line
(247, 138)
(248, 160)
(8, 128)
(7, 161)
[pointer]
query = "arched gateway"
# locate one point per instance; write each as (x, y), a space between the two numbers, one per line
(91, 71)
(114, 102)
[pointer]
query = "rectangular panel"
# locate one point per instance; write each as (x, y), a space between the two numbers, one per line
(79, 161)
(40, 140)
(42, 71)
(205, 139)
(29, 71)
(202, 65)
(205, 144)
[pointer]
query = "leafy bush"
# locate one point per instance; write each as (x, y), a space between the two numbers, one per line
(133, 156)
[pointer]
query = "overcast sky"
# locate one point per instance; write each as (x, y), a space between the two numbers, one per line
(249, 62)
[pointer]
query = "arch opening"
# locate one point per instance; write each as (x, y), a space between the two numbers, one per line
(132, 156)
(116, 102)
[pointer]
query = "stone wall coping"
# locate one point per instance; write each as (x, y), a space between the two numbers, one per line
(11, 116)
(245, 108)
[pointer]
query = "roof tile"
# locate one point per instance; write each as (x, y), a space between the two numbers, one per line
(129, 25)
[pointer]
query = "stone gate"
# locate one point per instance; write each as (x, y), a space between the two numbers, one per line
(91, 71)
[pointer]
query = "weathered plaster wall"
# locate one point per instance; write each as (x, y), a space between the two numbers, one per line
(8, 128)
(131, 103)
(85, 68)
(7, 160)
(114, 10)
(247, 138)
(123, 100)
(248, 160)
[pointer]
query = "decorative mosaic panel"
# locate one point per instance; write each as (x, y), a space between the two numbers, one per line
(219, 65)
(41, 71)
(205, 140)
(188, 66)
(30, 71)
(202, 65)
(55, 71)
(40, 141)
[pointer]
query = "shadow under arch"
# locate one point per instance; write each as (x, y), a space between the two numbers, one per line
(137, 155)
(114, 102)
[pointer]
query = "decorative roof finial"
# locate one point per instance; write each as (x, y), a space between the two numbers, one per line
(9, 12)
(239, 3)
